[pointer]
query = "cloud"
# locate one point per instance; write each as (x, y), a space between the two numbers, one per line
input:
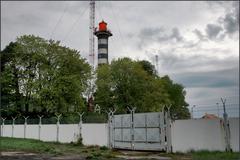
(231, 23)
(174, 61)
(209, 79)
(175, 35)
(213, 31)
(150, 32)
(226, 24)
(160, 35)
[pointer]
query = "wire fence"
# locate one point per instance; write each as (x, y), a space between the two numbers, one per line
(232, 110)
(95, 118)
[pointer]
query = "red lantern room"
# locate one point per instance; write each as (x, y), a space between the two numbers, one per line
(102, 26)
(102, 34)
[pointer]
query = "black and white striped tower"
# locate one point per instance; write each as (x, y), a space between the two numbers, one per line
(102, 33)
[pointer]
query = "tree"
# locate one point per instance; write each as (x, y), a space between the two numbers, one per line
(129, 83)
(49, 78)
(177, 95)
(126, 83)
(10, 94)
(104, 96)
(148, 67)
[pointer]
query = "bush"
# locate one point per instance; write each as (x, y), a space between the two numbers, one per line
(103, 148)
(94, 118)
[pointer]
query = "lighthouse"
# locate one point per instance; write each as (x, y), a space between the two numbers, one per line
(102, 34)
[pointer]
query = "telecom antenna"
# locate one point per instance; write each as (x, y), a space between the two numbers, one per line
(91, 32)
(156, 63)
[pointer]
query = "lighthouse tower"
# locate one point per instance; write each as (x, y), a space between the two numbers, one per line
(102, 34)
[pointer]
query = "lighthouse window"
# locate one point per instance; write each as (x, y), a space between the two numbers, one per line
(102, 50)
(102, 41)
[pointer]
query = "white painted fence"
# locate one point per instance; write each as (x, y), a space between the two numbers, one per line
(92, 134)
(186, 135)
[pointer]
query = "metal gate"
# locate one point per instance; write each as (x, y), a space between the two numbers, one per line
(140, 131)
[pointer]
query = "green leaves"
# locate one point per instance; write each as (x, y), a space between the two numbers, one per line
(134, 83)
(43, 76)
(49, 77)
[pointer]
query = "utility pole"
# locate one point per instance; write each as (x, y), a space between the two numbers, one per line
(192, 110)
(226, 126)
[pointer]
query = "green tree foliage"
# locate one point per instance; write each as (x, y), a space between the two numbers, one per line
(134, 83)
(42, 76)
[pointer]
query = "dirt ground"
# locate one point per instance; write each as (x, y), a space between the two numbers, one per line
(33, 156)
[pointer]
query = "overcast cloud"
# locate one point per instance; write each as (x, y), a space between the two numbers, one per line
(197, 43)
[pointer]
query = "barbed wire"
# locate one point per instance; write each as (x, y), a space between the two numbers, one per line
(203, 110)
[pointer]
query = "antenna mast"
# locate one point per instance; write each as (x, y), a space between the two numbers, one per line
(156, 61)
(91, 32)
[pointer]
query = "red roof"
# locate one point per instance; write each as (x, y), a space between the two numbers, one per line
(210, 116)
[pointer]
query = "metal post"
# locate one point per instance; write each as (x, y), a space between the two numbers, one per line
(192, 110)
(165, 126)
(218, 110)
(80, 123)
(168, 130)
(111, 127)
(25, 126)
(162, 126)
(226, 126)
(39, 127)
(97, 109)
(58, 123)
(109, 130)
(13, 124)
(132, 111)
(3, 123)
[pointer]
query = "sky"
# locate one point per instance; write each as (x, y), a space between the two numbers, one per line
(196, 43)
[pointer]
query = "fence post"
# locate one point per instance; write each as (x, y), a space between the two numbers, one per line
(168, 130)
(25, 126)
(97, 108)
(58, 123)
(226, 126)
(113, 126)
(39, 127)
(161, 126)
(109, 130)
(2, 126)
(80, 124)
(13, 123)
(110, 114)
(132, 112)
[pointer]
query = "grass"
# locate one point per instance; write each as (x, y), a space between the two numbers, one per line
(216, 155)
(29, 145)
(100, 153)
(53, 148)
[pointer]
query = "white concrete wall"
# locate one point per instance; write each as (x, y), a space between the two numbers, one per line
(193, 134)
(92, 134)
(234, 133)
(203, 134)
(199, 134)
(95, 134)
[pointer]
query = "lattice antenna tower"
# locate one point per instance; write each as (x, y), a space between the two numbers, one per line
(91, 33)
